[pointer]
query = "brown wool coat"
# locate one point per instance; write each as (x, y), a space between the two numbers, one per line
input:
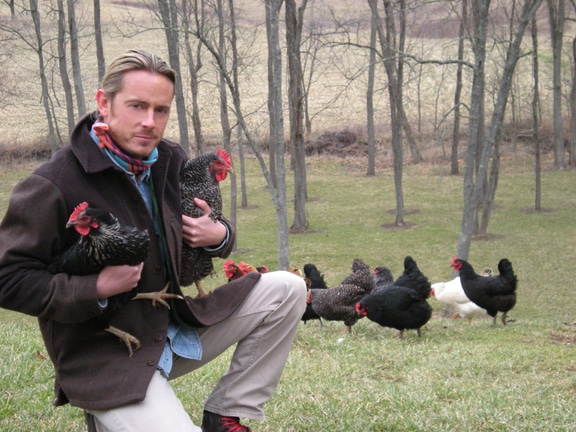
(93, 369)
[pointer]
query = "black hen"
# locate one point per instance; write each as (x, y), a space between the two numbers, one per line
(337, 304)
(382, 278)
(317, 282)
(200, 178)
(105, 242)
(403, 305)
(493, 293)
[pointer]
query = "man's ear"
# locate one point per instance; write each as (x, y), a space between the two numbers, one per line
(103, 103)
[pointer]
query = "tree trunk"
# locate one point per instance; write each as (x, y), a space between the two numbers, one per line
(495, 132)
(224, 119)
(43, 81)
(294, 20)
(475, 124)
(169, 14)
(277, 126)
(270, 21)
(388, 45)
(458, 91)
(370, 97)
(536, 115)
(556, 14)
(75, 58)
(63, 67)
(194, 66)
(278, 194)
(99, 45)
(572, 144)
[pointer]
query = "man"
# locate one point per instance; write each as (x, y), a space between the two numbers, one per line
(119, 161)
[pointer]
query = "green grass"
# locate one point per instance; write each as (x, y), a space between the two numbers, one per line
(457, 377)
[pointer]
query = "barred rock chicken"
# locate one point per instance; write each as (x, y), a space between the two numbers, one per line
(338, 303)
(104, 241)
(403, 305)
(493, 293)
(200, 178)
(317, 282)
(382, 278)
(452, 295)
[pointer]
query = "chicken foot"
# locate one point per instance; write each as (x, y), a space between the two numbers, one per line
(201, 291)
(125, 337)
(158, 296)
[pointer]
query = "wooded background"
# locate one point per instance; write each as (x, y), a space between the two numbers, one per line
(462, 81)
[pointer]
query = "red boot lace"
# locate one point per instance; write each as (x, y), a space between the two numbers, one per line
(233, 425)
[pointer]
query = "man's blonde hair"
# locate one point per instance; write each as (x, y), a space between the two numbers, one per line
(130, 61)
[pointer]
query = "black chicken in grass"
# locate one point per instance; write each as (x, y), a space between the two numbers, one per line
(493, 293)
(403, 305)
(200, 178)
(338, 303)
(104, 242)
(317, 282)
(382, 278)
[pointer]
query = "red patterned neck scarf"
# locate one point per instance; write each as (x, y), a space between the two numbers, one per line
(129, 163)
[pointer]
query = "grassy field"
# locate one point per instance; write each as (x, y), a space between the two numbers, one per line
(457, 377)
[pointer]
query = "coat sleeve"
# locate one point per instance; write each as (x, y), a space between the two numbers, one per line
(30, 233)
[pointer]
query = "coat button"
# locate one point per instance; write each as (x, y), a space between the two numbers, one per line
(158, 338)
(150, 363)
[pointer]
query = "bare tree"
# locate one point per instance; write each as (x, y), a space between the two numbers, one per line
(556, 11)
(458, 90)
(169, 15)
(474, 191)
(572, 143)
(536, 116)
(278, 193)
(98, 39)
(34, 12)
(75, 59)
(294, 21)
(387, 37)
(277, 126)
(62, 64)
(193, 15)
(371, 171)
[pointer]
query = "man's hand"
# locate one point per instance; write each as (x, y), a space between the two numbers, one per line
(202, 231)
(114, 280)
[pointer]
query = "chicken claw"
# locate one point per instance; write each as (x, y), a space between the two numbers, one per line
(158, 296)
(125, 337)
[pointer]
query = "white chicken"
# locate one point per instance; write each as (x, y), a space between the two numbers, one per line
(452, 294)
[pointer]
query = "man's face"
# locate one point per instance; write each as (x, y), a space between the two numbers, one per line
(139, 112)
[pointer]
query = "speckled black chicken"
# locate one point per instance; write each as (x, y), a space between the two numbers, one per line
(403, 305)
(104, 242)
(200, 178)
(338, 303)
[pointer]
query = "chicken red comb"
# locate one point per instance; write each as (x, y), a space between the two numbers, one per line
(79, 209)
(453, 260)
(225, 156)
(228, 263)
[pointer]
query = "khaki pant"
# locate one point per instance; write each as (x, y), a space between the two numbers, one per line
(263, 328)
